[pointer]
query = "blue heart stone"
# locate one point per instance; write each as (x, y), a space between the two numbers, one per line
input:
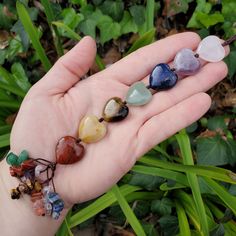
(162, 77)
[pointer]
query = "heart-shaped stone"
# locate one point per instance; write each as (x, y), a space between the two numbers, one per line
(69, 150)
(138, 94)
(210, 49)
(115, 110)
(91, 130)
(162, 77)
(185, 62)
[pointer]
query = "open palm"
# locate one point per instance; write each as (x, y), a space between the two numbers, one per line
(55, 105)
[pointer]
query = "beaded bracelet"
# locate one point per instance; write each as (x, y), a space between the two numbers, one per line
(92, 129)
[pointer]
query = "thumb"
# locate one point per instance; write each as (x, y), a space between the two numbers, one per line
(69, 68)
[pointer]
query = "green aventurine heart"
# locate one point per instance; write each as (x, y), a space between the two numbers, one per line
(138, 94)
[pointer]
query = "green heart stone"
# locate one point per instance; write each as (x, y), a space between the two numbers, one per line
(138, 94)
(22, 157)
(12, 159)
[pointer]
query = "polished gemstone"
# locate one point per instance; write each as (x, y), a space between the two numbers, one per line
(91, 130)
(162, 77)
(28, 164)
(115, 110)
(210, 49)
(38, 170)
(12, 159)
(69, 150)
(138, 94)
(22, 157)
(185, 62)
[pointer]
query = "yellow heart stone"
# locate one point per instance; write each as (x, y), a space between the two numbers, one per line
(91, 130)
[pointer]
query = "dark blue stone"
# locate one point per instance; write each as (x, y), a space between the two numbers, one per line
(162, 77)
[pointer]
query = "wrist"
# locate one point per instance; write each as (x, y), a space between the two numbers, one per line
(19, 213)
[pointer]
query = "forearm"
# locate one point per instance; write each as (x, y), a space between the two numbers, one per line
(17, 216)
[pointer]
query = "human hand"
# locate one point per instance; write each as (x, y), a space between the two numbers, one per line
(55, 105)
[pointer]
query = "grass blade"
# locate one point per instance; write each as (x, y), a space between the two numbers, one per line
(227, 198)
(64, 229)
(144, 40)
(183, 221)
(33, 34)
(128, 212)
(5, 129)
(4, 140)
(168, 174)
(50, 18)
(185, 148)
(100, 204)
(208, 171)
(150, 14)
(10, 104)
(70, 32)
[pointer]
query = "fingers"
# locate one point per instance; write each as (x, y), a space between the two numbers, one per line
(140, 63)
(70, 68)
(206, 78)
(162, 126)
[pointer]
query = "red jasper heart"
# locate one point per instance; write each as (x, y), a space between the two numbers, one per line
(69, 150)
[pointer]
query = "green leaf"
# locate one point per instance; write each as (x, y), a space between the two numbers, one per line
(33, 34)
(5, 140)
(142, 41)
(228, 199)
(148, 182)
(209, 20)
(169, 225)
(150, 229)
(141, 208)
(231, 151)
(88, 27)
(70, 33)
(150, 9)
(202, 6)
(162, 207)
(185, 148)
(231, 63)
(178, 177)
(5, 129)
(6, 20)
(98, 205)
(212, 151)
(176, 6)
(71, 18)
(138, 13)
(208, 171)
(15, 47)
(108, 29)
(219, 230)
(216, 122)
(127, 24)
(191, 128)
(114, 9)
(135, 224)
(183, 221)
(232, 189)
(18, 73)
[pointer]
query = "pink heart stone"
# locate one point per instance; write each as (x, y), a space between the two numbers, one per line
(185, 62)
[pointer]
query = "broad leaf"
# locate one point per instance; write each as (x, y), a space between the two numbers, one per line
(162, 207)
(114, 9)
(212, 151)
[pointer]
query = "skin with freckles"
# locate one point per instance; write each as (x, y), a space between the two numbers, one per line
(54, 107)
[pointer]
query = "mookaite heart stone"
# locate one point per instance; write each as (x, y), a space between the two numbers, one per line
(115, 110)
(91, 130)
(68, 150)
(162, 77)
(185, 63)
(210, 49)
(138, 94)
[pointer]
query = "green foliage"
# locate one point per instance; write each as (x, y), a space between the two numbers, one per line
(216, 151)
(166, 185)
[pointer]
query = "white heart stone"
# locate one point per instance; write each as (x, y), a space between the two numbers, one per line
(210, 49)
